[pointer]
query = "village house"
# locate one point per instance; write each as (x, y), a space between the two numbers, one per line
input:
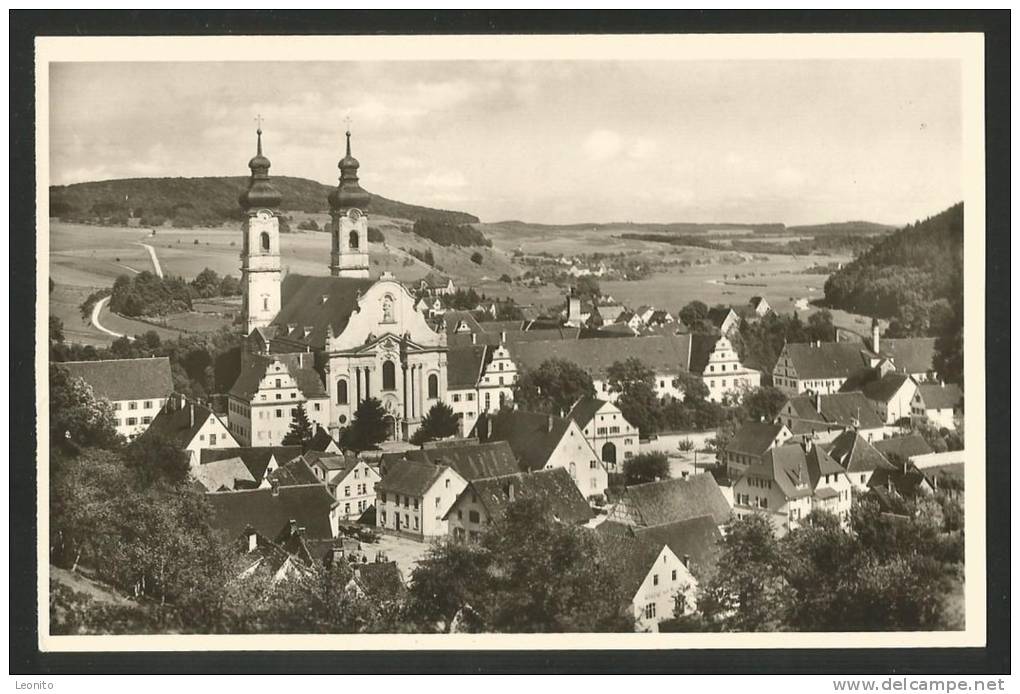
(610, 311)
(480, 379)
(697, 541)
(541, 441)
(136, 388)
(824, 417)
(671, 501)
(631, 319)
(308, 507)
(789, 483)
(857, 456)
(224, 475)
(484, 501)
(939, 403)
(431, 306)
(350, 479)
(191, 426)
(903, 447)
(715, 360)
(286, 557)
(260, 461)
(749, 444)
(653, 577)
(892, 395)
(724, 319)
(606, 429)
(413, 497)
(434, 284)
(469, 458)
(759, 306)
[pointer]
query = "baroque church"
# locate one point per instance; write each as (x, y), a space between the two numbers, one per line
(327, 342)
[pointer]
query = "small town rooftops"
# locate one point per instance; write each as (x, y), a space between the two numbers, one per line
(124, 379)
(179, 422)
(268, 510)
(905, 447)
(855, 454)
(224, 475)
(585, 409)
(795, 471)
(471, 460)
(941, 396)
(824, 360)
(668, 354)
(409, 477)
(912, 355)
(554, 489)
(464, 366)
(669, 501)
(255, 458)
(532, 436)
(754, 438)
(696, 538)
(302, 305)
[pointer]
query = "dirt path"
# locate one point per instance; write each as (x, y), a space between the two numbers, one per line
(97, 308)
(155, 260)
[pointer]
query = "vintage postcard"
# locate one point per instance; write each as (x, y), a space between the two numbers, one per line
(511, 342)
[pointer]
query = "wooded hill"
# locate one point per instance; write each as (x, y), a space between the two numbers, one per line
(208, 201)
(913, 277)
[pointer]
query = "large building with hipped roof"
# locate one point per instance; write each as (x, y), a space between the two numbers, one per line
(327, 342)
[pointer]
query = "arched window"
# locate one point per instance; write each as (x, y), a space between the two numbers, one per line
(264, 241)
(609, 453)
(341, 391)
(352, 240)
(389, 376)
(433, 386)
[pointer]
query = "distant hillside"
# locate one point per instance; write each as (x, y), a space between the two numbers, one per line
(914, 276)
(207, 201)
(666, 227)
(841, 229)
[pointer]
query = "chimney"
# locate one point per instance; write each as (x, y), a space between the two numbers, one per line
(253, 539)
(191, 414)
(874, 335)
(818, 402)
(474, 338)
(502, 337)
(274, 484)
(325, 298)
(686, 559)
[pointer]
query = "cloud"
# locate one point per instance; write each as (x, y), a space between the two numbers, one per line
(602, 144)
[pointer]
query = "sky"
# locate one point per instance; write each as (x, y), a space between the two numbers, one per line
(792, 141)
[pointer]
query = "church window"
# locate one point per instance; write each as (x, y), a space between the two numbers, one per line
(433, 386)
(389, 376)
(341, 392)
(265, 303)
(387, 307)
(264, 241)
(352, 240)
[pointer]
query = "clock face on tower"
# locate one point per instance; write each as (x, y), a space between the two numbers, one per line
(354, 214)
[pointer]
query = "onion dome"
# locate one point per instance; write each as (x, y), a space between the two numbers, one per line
(260, 193)
(348, 193)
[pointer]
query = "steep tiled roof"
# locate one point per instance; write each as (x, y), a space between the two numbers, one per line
(910, 354)
(754, 438)
(940, 397)
(696, 538)
(179, 423)
(903, 446)
(855, 454)
(464, 366)
(472, 461)
(905, 483)
(826, 359)
(224, 475)
(585, 409)
(532, 436)
(554, 489)
(302, 305)
(943, 475)
(718, 315)
(124, 379)
(515, 337)
(702, 346)
(321, 440)
(267, 512)
(253, 370)
(294, 473)
(795, 470)
(661, 353)
(255, 458)
(499, 326)
(409, 477)
(435, 280)
(837, 409)
(669, 501)
(883, 389)
(629, 558)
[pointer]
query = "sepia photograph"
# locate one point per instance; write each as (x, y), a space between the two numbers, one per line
(405, 342)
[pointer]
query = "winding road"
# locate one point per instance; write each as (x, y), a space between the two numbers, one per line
(155, 260)
(97, 308)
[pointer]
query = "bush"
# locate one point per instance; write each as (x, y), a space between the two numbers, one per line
(308, 225)
(646, 467)
(477, 258)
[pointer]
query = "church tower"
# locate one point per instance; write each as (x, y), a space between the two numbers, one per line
(349, 227)
(260, 257)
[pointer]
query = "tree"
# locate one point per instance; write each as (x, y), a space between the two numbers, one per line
(230, 286)
(692, 386)
(553, 387)
(646, 467)
(587, 287)
(637, 398)
(763, 403)
(820, 326)
(56, 329)
(368, 428)
(206, 284)
(300, 432)
(477, 258)
(155, 457)
(693, 313)
(439, 423)
(76, 415)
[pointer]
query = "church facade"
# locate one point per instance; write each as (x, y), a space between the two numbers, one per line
(334, 340)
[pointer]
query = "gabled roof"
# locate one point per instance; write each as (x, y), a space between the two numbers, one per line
(912, 355)
(452, 319)
(179, 423)
(124, 379)
(499, 326)
(943, 475)
(532, 436)
(464, 366)
(585, 409)
(472, 461)
(944, 396)
(883, 389)
(661, 353)
(754, 438)
(837, 409)
(855, 454)
(554, 489)
(795, 471)
(821, 360)
(321, 441)
(718, 315)
(702, 346)
(629, 558)
(905, 483)
(302, 305)
(889, 502)
(255, 458)
(435, 281)
(903, 446)
(267, 511)
(333, 462)
(493, 339)
(409, 477)
(254, 367)
(696, 538)
(224, 475)
(294, 473)
(669, 501)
